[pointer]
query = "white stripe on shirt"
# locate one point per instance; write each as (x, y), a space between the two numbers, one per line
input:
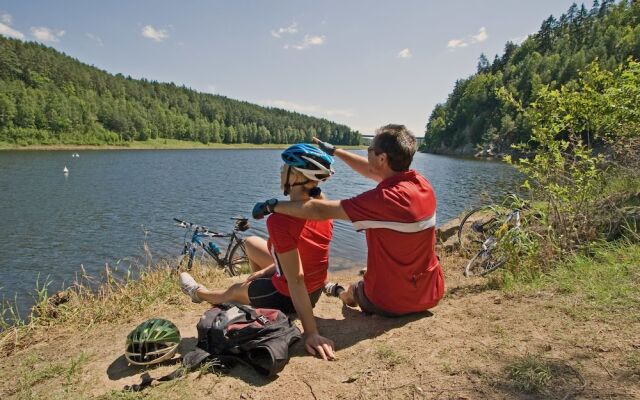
(405, 227)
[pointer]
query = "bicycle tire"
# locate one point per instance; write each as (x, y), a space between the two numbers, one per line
(468, 238)
(187, 258)
(237, 258)
(481, 264)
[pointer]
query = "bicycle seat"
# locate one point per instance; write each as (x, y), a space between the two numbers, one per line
(242, 224)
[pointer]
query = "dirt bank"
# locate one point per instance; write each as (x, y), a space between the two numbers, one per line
(479, 343)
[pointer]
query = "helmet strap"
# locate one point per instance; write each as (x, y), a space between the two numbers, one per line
(288, 186)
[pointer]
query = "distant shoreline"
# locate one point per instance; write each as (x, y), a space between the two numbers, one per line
(153, 144)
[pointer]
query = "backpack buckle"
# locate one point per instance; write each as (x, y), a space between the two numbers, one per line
(262, 319)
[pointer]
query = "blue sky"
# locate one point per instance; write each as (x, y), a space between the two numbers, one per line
(361, 63)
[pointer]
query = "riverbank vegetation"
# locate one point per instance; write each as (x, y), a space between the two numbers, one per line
(49, 98)
(477, 119)
(580, 166)
(150, 144)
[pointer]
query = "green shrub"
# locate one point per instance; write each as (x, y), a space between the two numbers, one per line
(575, 164)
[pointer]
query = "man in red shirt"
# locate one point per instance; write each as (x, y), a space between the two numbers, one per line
(403, 271)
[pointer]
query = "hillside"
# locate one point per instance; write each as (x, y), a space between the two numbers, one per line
(475, 117)
(47, 97)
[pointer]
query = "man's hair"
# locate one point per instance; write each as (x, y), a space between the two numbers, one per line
(399, 144)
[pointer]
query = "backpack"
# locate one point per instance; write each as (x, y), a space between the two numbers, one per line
(231, 333)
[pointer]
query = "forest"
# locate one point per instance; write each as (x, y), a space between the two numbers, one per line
(479, 116)
(47, 97)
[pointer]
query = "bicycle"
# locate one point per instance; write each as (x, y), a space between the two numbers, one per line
(233, 258)
(480, 231)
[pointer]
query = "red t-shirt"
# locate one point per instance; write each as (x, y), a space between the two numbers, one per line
(311, 238)
(403, 272)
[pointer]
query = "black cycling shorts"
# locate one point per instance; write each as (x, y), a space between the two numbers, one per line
(262, 294)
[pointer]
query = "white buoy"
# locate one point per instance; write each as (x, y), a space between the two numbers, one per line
(65, 170)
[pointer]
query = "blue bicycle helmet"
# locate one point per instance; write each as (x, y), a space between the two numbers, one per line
(309, 161)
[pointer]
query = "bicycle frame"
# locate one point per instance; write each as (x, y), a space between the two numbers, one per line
(199, 236)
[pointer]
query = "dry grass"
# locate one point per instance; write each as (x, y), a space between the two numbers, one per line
(114, 300)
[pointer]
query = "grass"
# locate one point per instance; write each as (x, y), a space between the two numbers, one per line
(608, 280)
(114, 300)
(633, 362)
(529, 374)
(389, 355)
(35, 371)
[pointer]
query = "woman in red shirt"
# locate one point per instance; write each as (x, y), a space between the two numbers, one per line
(290, 268)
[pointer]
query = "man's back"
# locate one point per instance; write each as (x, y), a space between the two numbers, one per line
(403, 272)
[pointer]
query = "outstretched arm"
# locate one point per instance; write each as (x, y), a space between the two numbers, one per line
(356, 162)
(316, 209)
(314, 342)
(312, 209)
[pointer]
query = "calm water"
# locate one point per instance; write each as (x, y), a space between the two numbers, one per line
(52, 224)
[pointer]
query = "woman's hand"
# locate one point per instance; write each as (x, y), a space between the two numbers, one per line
(319, 346)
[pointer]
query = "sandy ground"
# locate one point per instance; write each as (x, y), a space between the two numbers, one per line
(462, 349)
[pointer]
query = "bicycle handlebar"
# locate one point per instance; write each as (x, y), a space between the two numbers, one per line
(242, 224)
(203, 230)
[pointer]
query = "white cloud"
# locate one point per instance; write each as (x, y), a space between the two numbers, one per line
(481, 36)
(453, 43)
(405, 53)
(95, 38)
(5, 18)
(6, 30)
(44, 34)
(293, 28)
(154, 34)
(520, 39)
(5, 27)
(308, 41)
(307, 108)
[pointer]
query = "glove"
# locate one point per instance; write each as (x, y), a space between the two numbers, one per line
(327, 147)
(262, 209)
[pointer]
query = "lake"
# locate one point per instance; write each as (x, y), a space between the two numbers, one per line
(111, 201)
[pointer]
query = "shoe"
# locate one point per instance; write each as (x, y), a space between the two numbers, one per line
(188, 285)
(333, 289)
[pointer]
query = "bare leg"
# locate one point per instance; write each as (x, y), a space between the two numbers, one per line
(258, 253)
(238, 293)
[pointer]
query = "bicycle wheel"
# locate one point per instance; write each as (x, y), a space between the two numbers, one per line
(482, 263)
(477, 226)
(186, 260)
(238, 262)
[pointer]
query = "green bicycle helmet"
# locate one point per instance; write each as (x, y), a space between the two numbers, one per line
(151, 342)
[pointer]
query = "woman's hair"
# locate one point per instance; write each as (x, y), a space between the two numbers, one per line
(310, 185)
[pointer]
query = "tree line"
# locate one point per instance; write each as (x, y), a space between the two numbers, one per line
(47, 97)
(476, 116)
